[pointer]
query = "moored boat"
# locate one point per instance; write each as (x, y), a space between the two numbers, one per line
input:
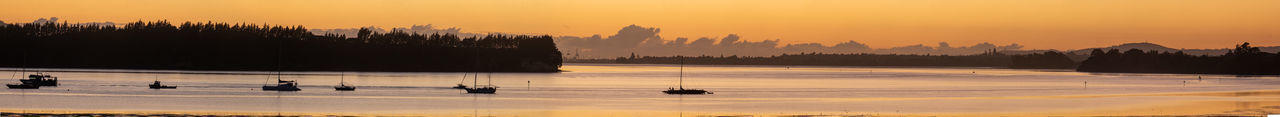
(40, 79)
(483, 89)
(685, 91)
(157, 85)
(681, 90)
(342, 84)
(282, 85)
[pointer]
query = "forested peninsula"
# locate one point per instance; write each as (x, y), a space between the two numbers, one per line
(263, 47)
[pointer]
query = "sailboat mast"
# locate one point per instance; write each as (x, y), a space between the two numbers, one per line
(464, 77)
(681, 72)
(279, 57)
(24, 62)
(476, 67)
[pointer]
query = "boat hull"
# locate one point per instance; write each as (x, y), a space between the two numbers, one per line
(482, 90)
(163, 87)
(22, 86)
(277, 88)
(686, 92)
(344, 88)
(40, 82)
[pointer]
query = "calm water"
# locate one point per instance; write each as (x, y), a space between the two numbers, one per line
(634, 90)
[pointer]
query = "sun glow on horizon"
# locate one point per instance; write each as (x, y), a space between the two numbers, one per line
(1038, 24)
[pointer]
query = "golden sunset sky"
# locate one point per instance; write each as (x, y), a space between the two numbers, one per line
(1038, 24)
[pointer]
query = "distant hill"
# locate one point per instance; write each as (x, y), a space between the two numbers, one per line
(1157, 47)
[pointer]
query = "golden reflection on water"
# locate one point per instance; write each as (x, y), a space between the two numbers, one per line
(633, 90)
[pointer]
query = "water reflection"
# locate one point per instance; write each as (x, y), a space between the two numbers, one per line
(598, 90)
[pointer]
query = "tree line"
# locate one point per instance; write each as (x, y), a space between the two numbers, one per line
(264, 47)
(1244, 60)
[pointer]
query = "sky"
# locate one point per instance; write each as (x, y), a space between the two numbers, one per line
(1036, 24)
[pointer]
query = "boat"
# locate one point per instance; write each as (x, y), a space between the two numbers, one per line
(40, 79)
(282, 85)
(23, 86)
(685, 91)
(342, 85)
(482, 89)
(682, 90)
(157, 85)
(477, 88)
(344, 88)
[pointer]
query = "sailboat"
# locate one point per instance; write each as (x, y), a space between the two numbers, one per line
(683, 91)
(157, 85)
(282, 85)
(342, 85)
(486, 89)
(21, 85)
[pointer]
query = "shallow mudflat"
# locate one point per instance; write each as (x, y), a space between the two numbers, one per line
(634, 90)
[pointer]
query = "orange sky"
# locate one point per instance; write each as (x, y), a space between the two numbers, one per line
(1038, 24)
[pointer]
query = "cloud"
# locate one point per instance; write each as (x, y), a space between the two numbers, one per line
(56, 20)
(647, 42)
(43, 20)
(420, 29)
